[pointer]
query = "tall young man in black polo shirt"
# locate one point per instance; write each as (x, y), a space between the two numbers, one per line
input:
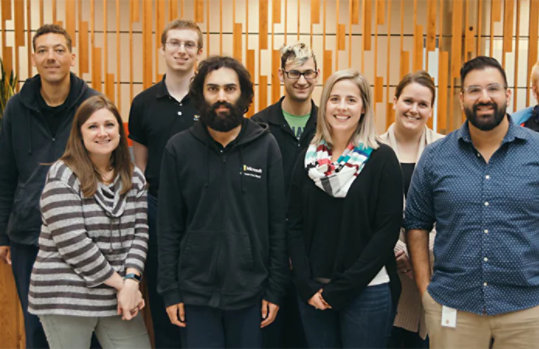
(158, 113)
(292, 122)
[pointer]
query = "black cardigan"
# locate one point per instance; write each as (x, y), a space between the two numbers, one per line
(346, 239)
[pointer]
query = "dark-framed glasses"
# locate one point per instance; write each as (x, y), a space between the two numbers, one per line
(296, 74)
(492, 90)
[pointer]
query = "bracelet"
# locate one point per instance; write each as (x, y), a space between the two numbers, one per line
(133, 276)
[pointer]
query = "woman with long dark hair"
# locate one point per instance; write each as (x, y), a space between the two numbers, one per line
(344, 217)
(93, 240)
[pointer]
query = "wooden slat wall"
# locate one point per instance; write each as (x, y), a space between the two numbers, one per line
(455, 30)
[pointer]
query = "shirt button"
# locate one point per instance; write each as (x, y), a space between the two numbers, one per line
(181, 104)
(485, 231)
(179, 113)
(478, 155)
(485, 284)
(485, 259)
(487, 177)
(486, 203)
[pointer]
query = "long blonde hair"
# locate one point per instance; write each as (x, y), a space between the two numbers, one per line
(365, 132)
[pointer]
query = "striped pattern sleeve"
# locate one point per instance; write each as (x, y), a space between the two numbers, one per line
(136, 256)
(61, 210)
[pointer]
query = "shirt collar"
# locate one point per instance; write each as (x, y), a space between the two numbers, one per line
(513, 132)
(162, 91)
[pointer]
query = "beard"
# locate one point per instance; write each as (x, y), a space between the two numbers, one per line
(485, 123)
(221, 121)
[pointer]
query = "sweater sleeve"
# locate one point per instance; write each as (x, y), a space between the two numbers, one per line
(379, 249)
(301, 271)
(170, 229)
(277, 239)
(63, 219)
(8, 172)
(136, 257)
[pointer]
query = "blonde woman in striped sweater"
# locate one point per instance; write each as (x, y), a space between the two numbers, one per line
(93, 241)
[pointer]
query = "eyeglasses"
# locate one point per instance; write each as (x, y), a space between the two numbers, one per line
(493, 90)
(296, 74)
(175, 45)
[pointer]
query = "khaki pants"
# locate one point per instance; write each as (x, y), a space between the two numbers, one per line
(75, 332)
(515, 330)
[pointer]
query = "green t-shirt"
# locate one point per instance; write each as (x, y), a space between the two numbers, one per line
(296, 122)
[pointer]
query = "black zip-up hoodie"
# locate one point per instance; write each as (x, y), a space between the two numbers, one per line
(27, 148)
(289, 145)
(221, 225)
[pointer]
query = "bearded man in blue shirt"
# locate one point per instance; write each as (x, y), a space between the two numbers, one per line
(479, 185)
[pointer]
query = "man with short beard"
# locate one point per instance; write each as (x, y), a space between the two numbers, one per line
(479, 185)
(221, 239)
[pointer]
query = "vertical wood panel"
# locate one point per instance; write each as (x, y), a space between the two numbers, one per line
(262, 92)
(118, 56)
(341, 38)
(6, 12)
(83, 47)
(199, 10)
(404, 63)
(135, 10)
(237, 39)
(96, 69)
(275, 82)
(456, 38)
(29, 36)
(431, 25)
(105, 44)
(496, 10)
(173, 13)
(70, 20)
(533, 39)
(380, 12)
(262, 25)
(276, 11)
(315, 11)
(517, 39)
(355, 11)
(19, 25)
(389, 110)
(146, 44)
(418, 48)
(479, 28)
(378, 89)
(159, 26)
(508, 14)
(443, 81)
(327, 65)
(109, 86)
(367, 24)
(250, 65)
(11, 309)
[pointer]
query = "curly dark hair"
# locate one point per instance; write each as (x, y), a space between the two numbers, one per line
(196, 90)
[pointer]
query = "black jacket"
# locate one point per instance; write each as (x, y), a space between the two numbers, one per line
(27, 148)
(347, 240)
(221, 223)
(288, 143)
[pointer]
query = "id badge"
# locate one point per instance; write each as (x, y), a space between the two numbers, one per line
(449, 317)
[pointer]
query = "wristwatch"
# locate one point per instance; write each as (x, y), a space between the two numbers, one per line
(133, 276)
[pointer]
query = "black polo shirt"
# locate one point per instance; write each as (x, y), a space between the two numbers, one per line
(155, 116)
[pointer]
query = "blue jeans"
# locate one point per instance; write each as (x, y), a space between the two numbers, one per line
(22, 261)
(166, 334)
(364, 323)
(215, 328)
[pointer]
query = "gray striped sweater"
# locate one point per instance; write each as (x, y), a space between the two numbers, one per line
(83, 241)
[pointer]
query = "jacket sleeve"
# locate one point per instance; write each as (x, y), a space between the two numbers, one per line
(170, 230)
(386, 225)
(136, 257)
(8, 171)
(63, 219)
(278, 267)
(301, 270)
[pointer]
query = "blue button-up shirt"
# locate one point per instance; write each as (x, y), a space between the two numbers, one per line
(486, 251)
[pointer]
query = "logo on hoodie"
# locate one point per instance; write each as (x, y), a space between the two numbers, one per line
(252, 172)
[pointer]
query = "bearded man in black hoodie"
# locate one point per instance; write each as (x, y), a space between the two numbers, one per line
(35, 127)
(221, 234)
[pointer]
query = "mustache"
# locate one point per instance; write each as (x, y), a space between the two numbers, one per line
(489, 104)
(217, 105)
